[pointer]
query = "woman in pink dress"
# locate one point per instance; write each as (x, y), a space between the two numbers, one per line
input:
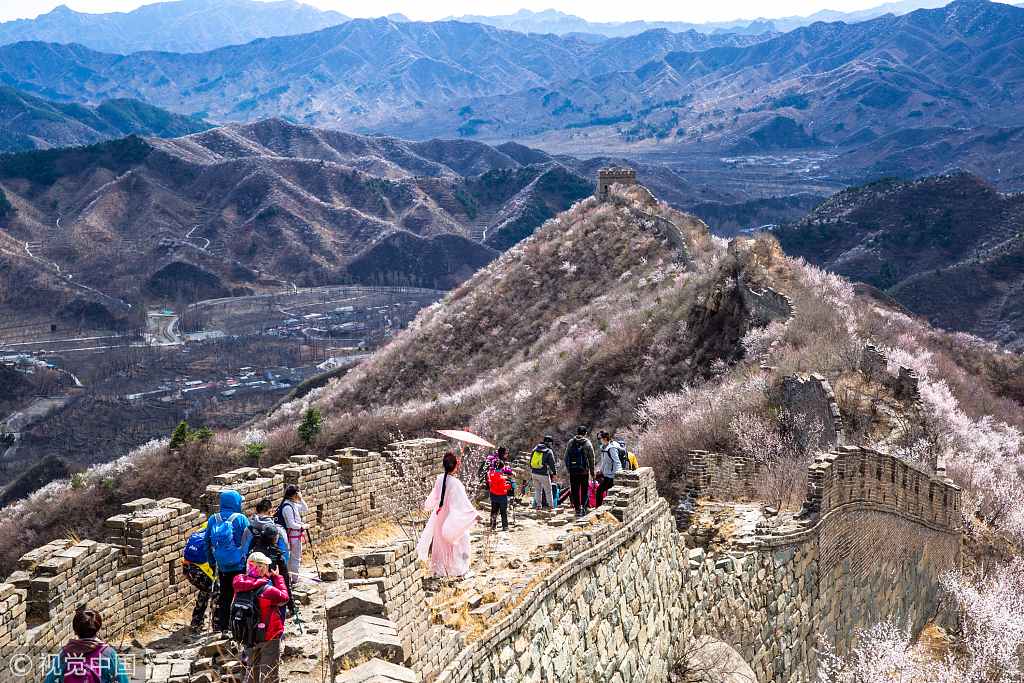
(445, 538)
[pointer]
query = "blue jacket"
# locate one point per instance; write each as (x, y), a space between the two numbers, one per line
(230, 504)
(77, 653)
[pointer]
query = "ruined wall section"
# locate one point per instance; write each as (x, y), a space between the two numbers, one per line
(904, 383)
(811, 396)
(135, 572)
(626, 601)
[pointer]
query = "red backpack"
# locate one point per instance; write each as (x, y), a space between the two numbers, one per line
(497, 483)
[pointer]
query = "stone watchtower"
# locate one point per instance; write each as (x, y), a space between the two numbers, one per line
(606, 177)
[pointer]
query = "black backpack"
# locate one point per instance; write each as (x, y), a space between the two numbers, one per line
(279, 514)
(576, 456)
(247, 627)
(623, 457)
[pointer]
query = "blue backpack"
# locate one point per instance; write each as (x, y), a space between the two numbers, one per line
(226, 552)
(195, 548)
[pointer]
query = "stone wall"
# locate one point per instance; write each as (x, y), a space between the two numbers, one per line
(875, 365)
(622, 600)
(766, 305)
(135, 572)
(626, 600)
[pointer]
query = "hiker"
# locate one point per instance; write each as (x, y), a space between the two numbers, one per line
(579, 463)
(611, 464)
(259, 630)
(289, 515)
(542, 468)
(499, 485)
(224, 551)
(265, 536)
(263, 527)
(86, 658)
(445, 538)
(200, 574)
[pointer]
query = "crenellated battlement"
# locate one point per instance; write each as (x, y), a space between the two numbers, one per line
(860, 475)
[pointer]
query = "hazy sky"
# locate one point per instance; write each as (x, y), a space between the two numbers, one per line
(601, 10)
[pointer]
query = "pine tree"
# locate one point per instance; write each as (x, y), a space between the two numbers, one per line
(180, 436)
(310, 426)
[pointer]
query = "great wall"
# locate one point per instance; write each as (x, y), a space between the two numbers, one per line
(618, 598)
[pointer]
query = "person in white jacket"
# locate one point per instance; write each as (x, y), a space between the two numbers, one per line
(293, 507)
(611, 464)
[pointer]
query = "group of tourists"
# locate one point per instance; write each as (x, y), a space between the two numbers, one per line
(445, 541)
(246, 567)
(591, 475)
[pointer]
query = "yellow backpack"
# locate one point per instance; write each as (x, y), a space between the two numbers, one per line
(537, 460)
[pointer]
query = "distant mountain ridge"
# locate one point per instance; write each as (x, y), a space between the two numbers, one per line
(560, 23)
(184, 25)
(891, 94)
(366, 74)
(949, 247)
(28, 122)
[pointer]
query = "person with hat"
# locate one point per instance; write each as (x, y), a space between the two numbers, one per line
(542, 468)
(264, 658)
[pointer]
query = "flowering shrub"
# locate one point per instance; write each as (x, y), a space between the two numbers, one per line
(988, 649)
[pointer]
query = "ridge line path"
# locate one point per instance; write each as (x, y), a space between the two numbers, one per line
(68, 276)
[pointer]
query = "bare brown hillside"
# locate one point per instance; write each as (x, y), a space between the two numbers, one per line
(245, 208)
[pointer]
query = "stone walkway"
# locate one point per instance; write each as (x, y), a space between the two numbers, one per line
(504, 565)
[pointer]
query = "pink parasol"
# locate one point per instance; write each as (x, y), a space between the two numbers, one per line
(465, 437)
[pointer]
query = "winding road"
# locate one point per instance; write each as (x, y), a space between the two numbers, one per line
(188, 236)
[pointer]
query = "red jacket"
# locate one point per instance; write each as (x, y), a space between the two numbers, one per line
(269, 601)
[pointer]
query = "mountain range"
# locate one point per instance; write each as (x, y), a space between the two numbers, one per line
(363, 75)
(201, 25)
(33, 123)
(178, 26)
(950, 248)
(553, 21)
(829, 86)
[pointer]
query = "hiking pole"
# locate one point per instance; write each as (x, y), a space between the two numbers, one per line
(312, 549)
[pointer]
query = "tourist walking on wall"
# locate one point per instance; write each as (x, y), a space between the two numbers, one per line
(611, 464)
(445, 538)
(86, 657)
(200, 574)
(224, 551)
(266, 587)
(579, 463)
(542, 468)
(500, 487)
(289, 515)
(265, 536)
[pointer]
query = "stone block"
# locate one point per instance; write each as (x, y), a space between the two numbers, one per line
(378, 671)
(353, 603)
(365, 638)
